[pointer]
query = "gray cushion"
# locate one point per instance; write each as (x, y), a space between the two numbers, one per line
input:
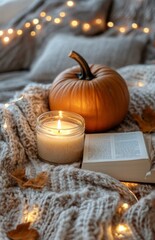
(114, 52)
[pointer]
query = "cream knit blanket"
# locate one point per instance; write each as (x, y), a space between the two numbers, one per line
(74, 204)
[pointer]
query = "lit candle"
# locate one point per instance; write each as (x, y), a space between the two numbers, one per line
(60, 136)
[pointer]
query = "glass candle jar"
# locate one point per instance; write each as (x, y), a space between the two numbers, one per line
(60, 136)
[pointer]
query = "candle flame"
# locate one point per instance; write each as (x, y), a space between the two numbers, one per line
(59, 125)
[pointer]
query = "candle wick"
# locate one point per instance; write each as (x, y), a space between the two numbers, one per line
(58, 130)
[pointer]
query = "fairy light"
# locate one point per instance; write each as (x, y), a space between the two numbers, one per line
(48, 18)
(33, 33)
(19, 32)
(5, 125)
(110, 24)
(146, 30)
(122, 29)
(6, 40)
(98, 21)
(57, 20)
(10, 31)
(32, 215)
(122, 231)
(27, 25)
(134, 25)
(35, 21)
(70, 3)
(74, 23)
(38, 26)
(86, 27)
(62, 14)
(43, 14)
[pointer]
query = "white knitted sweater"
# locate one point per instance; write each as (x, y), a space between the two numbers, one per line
(75, 204)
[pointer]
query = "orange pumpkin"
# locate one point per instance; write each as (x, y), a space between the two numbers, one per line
(98, 93)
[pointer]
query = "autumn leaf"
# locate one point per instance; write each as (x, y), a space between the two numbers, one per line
(23, 232)
(36, 183)
(19, 176)
(146, 121)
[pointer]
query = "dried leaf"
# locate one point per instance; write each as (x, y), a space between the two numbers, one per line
(146, 121)
(38, 182)
(19, 176)
(23, 232)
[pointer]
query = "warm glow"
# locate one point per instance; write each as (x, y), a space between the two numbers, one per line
(1, 33)
(33, 33)
(122, 29)
(19, 32)
(98, 21)
(35, 21)
(110, 24)
(6, 40)
(59, 125)
(86, 27)
(48, 18)
(62, 14)
(130, 185)
(60, 114)
(74, 23)
(134, 25)
(70, 3)
(146, 30)
(6, 105)
(32, 215)
(38, 26)
(42, 14)
(10, 31)
(57, 20)
(122, 230)
(125, 206)
(140, 84)
(5, 126)
(27, 24)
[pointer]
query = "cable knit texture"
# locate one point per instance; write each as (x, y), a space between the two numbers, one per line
(75, 203)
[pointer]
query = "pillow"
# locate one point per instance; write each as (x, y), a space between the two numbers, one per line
(113, 52)
(17, 54)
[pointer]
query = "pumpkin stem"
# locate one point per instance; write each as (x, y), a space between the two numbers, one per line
(85, 69)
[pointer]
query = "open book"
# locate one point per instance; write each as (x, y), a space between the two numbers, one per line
(123, 156)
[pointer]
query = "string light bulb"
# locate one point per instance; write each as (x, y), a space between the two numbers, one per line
(110, 24)
(86, 27)
(6, 40)
(98, 21)
(42, 14)
(62, 14)
(70, 3)
(122, 29)
(33, 33)
(35, 21)
(146, 30)
(19, 32)
(134, 25)
(57, 20)
(74, 23)
(48, 18)
(27, 24)
(122, 231)
(10, 31)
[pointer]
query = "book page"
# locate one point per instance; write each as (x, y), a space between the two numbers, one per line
(115, 146)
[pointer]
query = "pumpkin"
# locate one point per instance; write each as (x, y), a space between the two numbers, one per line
(96, 92)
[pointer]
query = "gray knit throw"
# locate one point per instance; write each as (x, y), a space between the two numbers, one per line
(75, 204)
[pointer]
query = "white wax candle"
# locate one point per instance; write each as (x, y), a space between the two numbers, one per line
(58, 144)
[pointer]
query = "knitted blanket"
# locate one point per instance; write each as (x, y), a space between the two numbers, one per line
(75, 203)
